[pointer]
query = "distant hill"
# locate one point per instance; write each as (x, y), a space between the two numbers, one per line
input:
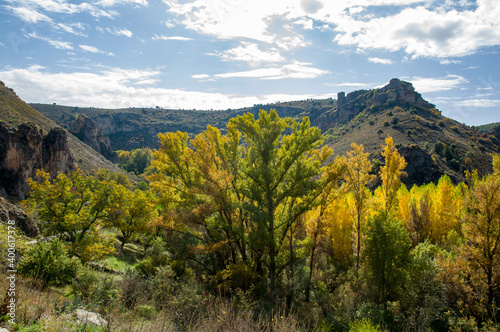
(432, 144)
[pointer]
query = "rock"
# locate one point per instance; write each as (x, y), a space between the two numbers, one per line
(25, 150)
(3, 329)
(9, 211)
(85, 317)
(86, 130)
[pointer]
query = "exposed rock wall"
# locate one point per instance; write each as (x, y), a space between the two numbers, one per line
(25, 150)
(86, 130)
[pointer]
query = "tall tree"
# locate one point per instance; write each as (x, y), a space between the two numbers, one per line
(390, 173)
(281, 161)
(357, 176)
(482, 230)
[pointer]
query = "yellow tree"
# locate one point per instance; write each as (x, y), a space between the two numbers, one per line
(357, 168)
(446, 209)
(390, 174)
(318, 220)
(73, 207)
(130, 211)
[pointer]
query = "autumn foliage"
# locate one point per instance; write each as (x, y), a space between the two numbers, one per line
(264, 209)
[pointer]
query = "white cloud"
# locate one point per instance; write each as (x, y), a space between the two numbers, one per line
(355, 85)
(450, 62)
(381, 61)
(423, 85)
(250, 53)
(180, 38)
(479, 103)
(59, 44)
(29, 15)
(298, 70)
(117, 88)
(93, 49)
(119, 32)
(200, 76)
(424, 31)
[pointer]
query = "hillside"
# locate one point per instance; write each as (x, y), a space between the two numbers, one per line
(14, 112)
(432, 144)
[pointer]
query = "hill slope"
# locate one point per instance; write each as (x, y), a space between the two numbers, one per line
(432, 144)
(14, 112)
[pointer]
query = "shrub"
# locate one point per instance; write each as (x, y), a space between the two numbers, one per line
(363, 325)
(49, 262)
(441, 124)
(395, 121)
(386, 124)
(371, 122)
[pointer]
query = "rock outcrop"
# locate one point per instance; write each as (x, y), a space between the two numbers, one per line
(9, 211)
(397, 92)
(25, 150)
(86, 130)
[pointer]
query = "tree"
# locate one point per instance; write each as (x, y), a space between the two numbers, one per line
(130, 212)
(281, 160)
(136, 160)
(357, 168)
(390, 173)
(482, 230)
(72, 207)
(387, 253)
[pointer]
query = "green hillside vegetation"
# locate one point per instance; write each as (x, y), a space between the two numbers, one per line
(250, 230)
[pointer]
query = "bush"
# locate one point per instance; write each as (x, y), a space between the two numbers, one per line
(395, 121)
(363, 325)
(95, 291)
(49, 262)
(386, 124)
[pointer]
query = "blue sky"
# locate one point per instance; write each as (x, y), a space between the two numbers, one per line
(219, 54)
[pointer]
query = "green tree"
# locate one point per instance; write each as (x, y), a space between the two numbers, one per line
(281, 161)
(387, 254)
(136, 160)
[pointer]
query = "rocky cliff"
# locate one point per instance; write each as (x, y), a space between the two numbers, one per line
(26, 149)
(86, 130)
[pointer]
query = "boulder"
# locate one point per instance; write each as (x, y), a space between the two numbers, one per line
(85, 317)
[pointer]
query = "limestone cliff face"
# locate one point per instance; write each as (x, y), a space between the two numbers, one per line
(25, 150)
(86, 130)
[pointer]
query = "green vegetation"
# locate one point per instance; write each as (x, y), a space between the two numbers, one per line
(252, 230)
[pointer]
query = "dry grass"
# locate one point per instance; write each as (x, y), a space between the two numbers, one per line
(47, 310)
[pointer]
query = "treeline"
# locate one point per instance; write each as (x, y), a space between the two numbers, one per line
(264, 214)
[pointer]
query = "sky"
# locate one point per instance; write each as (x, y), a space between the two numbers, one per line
(220, 54)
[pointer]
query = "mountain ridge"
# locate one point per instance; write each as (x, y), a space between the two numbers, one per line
(436, 144)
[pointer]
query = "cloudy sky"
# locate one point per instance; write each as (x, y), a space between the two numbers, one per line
(219, 54)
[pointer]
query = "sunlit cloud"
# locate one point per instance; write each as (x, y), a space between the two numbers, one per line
(380, 60)
(117, 88)
(422, 84)
(180, 38)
